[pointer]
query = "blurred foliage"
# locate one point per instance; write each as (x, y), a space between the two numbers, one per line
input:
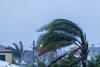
(41, 64)
(94, 62)
(70, 61)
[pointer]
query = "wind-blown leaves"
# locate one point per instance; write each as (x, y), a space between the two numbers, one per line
(17, 51)
(60, 33)
(54, 40)
(64, 25)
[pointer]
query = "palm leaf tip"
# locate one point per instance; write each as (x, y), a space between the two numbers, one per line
(42, 28)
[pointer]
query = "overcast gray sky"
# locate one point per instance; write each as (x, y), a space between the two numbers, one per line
(19, 19)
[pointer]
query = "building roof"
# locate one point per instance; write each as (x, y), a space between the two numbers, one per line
(4, 49)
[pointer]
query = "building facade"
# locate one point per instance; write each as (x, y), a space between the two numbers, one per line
(5, 54)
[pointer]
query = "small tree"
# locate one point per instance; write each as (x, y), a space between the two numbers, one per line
(17, 51)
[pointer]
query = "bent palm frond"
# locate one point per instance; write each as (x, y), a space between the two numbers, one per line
(54, 40)
(64, 25)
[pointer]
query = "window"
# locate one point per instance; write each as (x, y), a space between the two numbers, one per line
(2, 57)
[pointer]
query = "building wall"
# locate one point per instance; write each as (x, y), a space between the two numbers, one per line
(8, 57)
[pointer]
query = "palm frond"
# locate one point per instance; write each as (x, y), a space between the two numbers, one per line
(54, 40)
(65, 25)
(21, 47)
(17, 50)
(13, 50)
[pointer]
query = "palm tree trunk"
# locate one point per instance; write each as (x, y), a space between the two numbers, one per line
(19, 61)
(84, 64)
(84, 60)
(84, 51)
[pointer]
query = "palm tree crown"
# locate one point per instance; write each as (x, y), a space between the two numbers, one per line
(61, 33)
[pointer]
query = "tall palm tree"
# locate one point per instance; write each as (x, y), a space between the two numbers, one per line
(61, 33)
(17, 51)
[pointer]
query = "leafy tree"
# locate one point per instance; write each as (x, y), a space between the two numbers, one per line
(61, 33)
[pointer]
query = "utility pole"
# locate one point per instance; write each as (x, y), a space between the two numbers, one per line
(33, 52)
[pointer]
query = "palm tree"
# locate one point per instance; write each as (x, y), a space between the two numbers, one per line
(17, 51)
(61, 33)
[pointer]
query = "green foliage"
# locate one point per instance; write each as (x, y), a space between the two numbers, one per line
(56, 65)
(94, 62)
(70, 61)
(64, 25)
(27, 65)
(54, 40)
(60, 33)
(41, 64)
